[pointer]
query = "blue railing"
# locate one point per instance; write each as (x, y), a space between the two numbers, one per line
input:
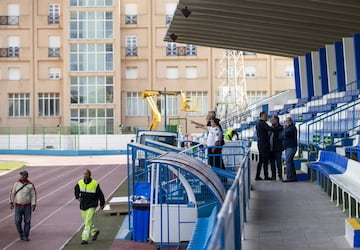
(236, 158)
(332, 127)
(232, 215)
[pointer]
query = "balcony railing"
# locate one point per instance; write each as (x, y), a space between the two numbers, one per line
(53, 19)
(131, 51)
(181, 51)
(54, 52)
(10, 52)
(131, 19)
(9, 20)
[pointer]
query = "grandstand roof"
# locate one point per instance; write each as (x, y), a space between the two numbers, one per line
(277, 27)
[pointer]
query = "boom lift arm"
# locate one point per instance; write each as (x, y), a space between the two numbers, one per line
(148, 95)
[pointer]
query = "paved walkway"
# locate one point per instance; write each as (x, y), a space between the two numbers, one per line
(293, 216)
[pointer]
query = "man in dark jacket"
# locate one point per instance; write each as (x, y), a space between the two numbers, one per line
(263, 137)
(276, 148)
(289, 138)
(88, 193)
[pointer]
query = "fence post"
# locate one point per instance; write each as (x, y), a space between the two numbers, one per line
(59, 133)
(43, 135)
(9, 137)
(27, 138)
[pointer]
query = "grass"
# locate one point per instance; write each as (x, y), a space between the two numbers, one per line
(11, 165)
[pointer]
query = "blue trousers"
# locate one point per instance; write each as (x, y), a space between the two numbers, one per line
(23, 213)
(290, 165)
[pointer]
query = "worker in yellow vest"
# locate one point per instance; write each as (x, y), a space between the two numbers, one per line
(88, 193)
(230, 133)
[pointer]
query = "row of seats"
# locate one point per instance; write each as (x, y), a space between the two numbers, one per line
(328, 163)
(349, 183)
(342, 173)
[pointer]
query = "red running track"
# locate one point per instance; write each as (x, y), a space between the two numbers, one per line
(57, 216)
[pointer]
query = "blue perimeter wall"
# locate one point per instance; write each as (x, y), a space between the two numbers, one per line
(63, 152)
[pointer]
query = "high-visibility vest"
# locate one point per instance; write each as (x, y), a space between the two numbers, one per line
(228, 134)
(88, 188)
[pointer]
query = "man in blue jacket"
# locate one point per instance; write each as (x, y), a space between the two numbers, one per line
(289, 138)
(88, 193)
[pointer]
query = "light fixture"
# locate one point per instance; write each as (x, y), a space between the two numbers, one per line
(186, 12)
(173, 37)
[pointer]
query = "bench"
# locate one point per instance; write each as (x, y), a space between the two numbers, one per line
(328, 163)
(349, 183)
(202, 231)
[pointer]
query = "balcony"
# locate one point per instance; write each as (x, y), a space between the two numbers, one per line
(131, 19)
(181, 51)
(53, 19)
(131, 51)
(9, 20)
(9, 52)
(54, 52)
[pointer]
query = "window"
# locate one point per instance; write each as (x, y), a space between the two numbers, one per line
(131, 45)
(19, 105)
(91, 89)
(198, 101)
(131, 13)
(53, 13)
(14, 74)
(172, 105)
(49, 104)
(289, 71)
(131, 73)
(135, 105)
(13, 14)
(54, 73)
(54, 46)
(14, 45)
(91, 24)
(170, 10)
(255, 96)
(250, 72)
(190, 50)
(172, 72)
(92, 121)
(91, 57)
(191, 72)
(171, 49)
(91, 2)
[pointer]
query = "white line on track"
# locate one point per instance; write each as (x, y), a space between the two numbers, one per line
(60, 208)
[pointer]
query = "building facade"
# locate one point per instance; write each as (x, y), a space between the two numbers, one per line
(81, 66)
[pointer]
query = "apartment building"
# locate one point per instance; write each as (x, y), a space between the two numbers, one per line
(81, 66)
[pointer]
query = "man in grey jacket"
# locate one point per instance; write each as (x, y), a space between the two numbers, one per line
(23, 199)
